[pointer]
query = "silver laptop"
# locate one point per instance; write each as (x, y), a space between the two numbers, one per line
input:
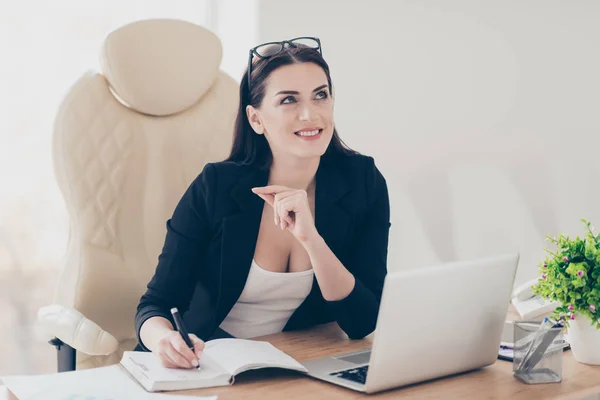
(432, 322)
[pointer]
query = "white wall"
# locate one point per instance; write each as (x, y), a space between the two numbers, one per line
(235, 21)
(483, 115)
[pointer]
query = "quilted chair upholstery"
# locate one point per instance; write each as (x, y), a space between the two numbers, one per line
(127, 143)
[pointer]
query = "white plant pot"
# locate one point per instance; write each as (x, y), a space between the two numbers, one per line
(585, 340)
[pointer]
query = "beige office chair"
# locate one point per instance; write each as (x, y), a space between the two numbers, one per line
(127, 143)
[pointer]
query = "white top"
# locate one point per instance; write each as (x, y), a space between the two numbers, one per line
(267, 302)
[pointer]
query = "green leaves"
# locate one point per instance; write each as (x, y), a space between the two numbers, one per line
(571, 275)
(578, 266)
(574, 296)
(591, 251)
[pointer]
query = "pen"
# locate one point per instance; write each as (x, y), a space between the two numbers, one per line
(532, 344)
(181, 328)
(547, 340)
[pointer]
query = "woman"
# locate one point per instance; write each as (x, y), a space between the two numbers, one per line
(290, 231)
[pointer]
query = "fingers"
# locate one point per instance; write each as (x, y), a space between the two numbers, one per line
(274, 199)
(279, 214)
(284, 201)
(174, 353)
(182, 348)
(286, 210)
(269, 195)
(285, 195)
(179, 360)
(288, 222)
(271, 189)
(170, 358)
(164, 359)
(198, 345)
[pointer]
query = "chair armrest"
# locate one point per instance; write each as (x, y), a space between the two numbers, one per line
(75, 330)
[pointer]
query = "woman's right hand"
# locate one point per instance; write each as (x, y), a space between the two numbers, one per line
(172, 351)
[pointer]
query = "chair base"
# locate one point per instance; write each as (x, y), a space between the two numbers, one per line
(65, 355)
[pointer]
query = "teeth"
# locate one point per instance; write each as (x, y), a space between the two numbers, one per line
(308, 133)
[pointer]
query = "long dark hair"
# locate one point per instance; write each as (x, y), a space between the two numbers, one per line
(250, 148)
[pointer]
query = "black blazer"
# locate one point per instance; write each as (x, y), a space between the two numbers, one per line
(212, 235)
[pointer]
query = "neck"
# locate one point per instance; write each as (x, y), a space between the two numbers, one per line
(294, 173)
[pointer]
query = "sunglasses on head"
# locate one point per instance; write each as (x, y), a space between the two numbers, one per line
(270, 49)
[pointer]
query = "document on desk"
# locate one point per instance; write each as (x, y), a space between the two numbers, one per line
(105, 383)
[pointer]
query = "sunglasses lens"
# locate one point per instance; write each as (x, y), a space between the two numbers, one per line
(306, 42)
(267, 50)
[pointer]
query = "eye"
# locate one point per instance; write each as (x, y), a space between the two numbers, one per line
(322, 95)
(288, 100)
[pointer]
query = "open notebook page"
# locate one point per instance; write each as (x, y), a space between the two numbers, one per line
(237, 355)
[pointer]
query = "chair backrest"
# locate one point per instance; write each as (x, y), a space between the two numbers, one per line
(127, 143)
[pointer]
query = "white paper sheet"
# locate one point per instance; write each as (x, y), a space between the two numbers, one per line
(4, 393)
(106, 383)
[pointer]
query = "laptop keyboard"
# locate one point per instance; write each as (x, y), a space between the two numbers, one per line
(358, 375)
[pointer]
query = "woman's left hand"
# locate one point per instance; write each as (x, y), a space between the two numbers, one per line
(290, 209)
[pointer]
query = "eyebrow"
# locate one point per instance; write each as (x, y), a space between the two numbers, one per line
(296, 92)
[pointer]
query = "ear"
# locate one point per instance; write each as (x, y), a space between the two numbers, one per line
(254, 119)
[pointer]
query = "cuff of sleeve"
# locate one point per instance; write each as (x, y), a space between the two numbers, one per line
(351, 303)
(140, 319)
(357, 313)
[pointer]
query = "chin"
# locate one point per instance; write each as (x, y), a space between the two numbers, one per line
(300, 155)
(303, 154)
(313, 147)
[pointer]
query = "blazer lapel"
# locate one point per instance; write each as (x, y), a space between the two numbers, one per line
(331, 219)
(239, 235)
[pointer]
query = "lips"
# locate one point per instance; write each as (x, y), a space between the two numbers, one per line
(310, 132)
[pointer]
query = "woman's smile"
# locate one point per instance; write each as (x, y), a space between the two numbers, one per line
(309, 133)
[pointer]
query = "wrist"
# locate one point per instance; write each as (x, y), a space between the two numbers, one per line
(153, 329)
(313, 242)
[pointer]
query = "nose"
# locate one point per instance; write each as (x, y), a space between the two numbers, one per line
(306, 112)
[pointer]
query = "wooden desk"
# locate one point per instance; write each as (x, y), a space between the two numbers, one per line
(580, 381)
(495, 381)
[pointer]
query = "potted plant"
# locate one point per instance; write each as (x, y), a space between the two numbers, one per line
(571, 276)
